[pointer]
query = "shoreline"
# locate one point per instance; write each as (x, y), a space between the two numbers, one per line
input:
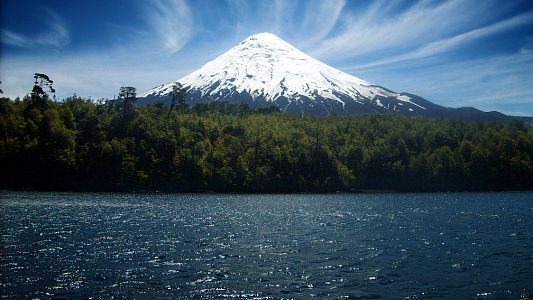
(355, 192)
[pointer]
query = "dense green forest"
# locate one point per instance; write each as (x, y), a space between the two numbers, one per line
(77, 144)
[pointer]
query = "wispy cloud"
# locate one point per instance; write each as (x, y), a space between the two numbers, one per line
(383, 27)
(319, 19)
(14, 39)
(89, 75)
(56, 34)
(249, 17)
(448, 44)
(239, 10)
(493, 83)
(303, 23)
(172, 21)
(281, 13)
(140, 60)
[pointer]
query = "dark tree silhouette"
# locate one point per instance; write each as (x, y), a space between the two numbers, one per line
(178, 98)
(41, 87)
(128, 95)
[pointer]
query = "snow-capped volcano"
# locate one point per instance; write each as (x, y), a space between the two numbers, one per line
(264, 70)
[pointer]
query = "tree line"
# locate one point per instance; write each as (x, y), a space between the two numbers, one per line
(80, 145)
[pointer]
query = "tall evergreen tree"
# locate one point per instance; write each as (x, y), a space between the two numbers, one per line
(178, 98)
(39, 93)
(128, 95)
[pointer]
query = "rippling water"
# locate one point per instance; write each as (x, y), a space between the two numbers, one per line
(387, 246)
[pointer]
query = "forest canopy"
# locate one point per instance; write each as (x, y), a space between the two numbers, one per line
(81, 145)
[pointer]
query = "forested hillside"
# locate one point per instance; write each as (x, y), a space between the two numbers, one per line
(77, 144)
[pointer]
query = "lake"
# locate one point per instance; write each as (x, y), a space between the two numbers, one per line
(362, 246)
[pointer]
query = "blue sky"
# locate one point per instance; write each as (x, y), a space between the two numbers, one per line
(454, 53)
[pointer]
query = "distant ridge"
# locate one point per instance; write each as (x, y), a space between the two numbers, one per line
(264, 70)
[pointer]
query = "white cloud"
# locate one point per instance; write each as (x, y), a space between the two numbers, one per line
(382, 28)
(134, 62)
(302, 22)
(447, 44)
(249, 17)
(172, 21)
(494, 83)
(280, 13)
(89, 75)
(240, 10)
(319, 19)
(56, 34)
(17, 40)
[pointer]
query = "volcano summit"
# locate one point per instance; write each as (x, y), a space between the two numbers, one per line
(264, 70)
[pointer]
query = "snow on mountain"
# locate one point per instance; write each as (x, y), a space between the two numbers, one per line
(264, 70)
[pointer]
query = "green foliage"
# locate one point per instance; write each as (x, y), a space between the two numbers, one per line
(77, 144)
(178, 98)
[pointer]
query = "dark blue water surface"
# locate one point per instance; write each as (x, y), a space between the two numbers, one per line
(389, 246)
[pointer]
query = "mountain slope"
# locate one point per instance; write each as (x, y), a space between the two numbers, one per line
(264, 70)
